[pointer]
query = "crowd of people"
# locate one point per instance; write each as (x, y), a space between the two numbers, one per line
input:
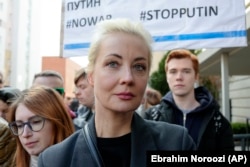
(115, 117)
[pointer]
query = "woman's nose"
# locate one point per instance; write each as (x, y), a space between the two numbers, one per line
(127, 76)
(26, 131)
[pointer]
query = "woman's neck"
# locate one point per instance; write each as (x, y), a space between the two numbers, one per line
(112, 124)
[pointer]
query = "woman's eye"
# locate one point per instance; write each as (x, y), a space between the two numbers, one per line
(140, 67)
(19, 126)
(36, 121)
(113, 64)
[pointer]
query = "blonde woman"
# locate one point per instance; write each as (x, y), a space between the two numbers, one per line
(119, 65)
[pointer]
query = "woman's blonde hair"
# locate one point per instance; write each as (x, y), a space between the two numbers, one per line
(107, 27)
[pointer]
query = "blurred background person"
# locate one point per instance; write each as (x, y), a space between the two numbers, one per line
(7, 145)
(1, 80)
(84, 93)
(7, 140)
(7, 96)
(52, 79)
(38, 119)
(74, 105)
(151, 98)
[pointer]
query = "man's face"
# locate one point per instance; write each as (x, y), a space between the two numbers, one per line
(84, 92)
(181, 76)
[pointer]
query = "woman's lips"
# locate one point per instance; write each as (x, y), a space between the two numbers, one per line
(125, 96)
(30, 144)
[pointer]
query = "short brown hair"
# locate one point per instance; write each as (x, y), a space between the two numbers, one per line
(48, 73)
(80, 74)
(181, 54)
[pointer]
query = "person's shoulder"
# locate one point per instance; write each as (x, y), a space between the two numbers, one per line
(175, 137)
(155, 112)
(64, 146)
(60, 153)
(165, 125)
(168, 130)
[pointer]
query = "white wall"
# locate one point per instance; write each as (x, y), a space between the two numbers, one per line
(240, 97)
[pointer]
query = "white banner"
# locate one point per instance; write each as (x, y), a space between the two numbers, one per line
(190, 24)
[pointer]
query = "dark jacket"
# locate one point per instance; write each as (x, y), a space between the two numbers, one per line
(146, 135)
(207, 126)
(9, 94)
(84, 114)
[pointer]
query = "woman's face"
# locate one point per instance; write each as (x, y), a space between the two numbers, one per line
(33, 142)
(120, 73)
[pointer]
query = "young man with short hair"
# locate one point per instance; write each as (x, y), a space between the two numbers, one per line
(84, 93)
(193, 108)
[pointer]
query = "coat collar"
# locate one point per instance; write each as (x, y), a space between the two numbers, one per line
(141, 139)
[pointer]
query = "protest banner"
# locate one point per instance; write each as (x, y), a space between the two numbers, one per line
(190, 24)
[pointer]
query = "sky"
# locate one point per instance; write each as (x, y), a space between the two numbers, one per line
(50, 29)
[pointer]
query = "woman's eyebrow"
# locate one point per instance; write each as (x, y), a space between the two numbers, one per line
(114, 55)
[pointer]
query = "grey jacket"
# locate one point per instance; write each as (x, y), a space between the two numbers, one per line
(84, 114)
(146, 135)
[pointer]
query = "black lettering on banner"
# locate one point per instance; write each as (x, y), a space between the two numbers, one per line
(86, 21)
(82, 4)
(165, 13)
(175, 13)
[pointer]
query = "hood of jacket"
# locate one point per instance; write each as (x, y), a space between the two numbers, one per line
(202, 95)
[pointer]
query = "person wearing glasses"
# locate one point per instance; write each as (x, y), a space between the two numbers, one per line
(52, 79)
(38, 119)
(119, 65)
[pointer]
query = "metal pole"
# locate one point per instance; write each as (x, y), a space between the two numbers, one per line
(225, 85)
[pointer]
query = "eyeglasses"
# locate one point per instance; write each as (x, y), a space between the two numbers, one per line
(35, 124)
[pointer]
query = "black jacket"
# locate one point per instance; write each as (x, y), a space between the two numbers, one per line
(146, 135)
(207, 126)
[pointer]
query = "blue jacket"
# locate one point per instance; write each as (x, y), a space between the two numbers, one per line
(145, 135)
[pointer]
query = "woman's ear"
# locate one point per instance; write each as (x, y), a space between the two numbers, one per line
(90, 79)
